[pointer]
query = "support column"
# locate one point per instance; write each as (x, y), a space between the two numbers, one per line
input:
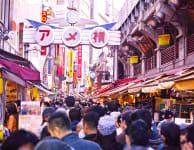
(26, 46)
(131, 70)
(115, 71)
(143, 65)
(158, 59)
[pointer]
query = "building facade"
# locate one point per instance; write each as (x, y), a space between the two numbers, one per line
(159, 32)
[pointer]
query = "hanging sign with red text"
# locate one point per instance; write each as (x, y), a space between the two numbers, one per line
(44, 35)
(79, 61)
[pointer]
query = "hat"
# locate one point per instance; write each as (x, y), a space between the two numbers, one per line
(168, 114)
(106, 125)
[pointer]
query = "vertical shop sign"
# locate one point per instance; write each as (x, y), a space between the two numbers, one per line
(60, 66)
(74, 79)
(43, 51)
(21, 27)
(71, 64)
(44, 16)
(79, 67)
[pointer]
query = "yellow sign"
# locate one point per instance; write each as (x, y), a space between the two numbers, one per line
(1, 133)
(88, 81)
(34, 92)
(1, 84)
(71, 64)
(134, 59)
(164, 39)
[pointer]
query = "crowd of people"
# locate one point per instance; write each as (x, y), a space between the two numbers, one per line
(85, 125)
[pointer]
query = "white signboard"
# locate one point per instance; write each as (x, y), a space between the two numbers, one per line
(99, 37)
(44, 36)
(71, 36)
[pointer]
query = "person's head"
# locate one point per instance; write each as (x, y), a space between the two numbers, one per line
(70, 101)
(112, 106)
(137, 133)
(52, 144)
(90, 122)
(46, 104)
(190, 133)
(98, 109)
(11, 109)
(75, 115)
(20, 140)
(106, 133)
(125, 119)
(169, 115)
(170, 133)
(59, 124)
(46, 114)
(144, 115)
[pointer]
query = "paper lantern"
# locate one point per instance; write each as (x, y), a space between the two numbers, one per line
(159, 17)
(174, 3)
(152, 24)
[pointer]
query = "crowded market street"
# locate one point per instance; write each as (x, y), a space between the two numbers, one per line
(96, 75)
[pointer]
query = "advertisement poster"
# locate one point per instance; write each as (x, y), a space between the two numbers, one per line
(30, 118)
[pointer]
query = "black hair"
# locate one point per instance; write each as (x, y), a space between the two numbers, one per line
(138, 132)
(126, 116)
(98, 109)
(112, 106)
(60, 120)
(47, 104)
(171, 132)
(11, 109)
(190, 133)
(46, 113)
(75, 114)
(143, 114)
(168, 114)
(19, 138)
(91, 119)
(70, 101)
(107, 142)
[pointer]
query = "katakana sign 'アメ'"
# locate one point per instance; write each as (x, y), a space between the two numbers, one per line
(71, 36)
(44, 35)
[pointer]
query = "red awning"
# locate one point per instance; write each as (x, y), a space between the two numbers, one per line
(24, 72)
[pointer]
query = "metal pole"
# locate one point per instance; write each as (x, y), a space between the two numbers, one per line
(26, 46)
(116, 63)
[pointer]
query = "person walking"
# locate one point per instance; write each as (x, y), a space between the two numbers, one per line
(59, 126)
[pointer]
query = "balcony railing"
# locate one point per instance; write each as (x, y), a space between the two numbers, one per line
(137, 69)
(169, 54)
(150, 63)
(190, 44)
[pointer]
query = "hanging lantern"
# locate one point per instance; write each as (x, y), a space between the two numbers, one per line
(152, 24)
(174, 3)
(159, 17)
(1, 84)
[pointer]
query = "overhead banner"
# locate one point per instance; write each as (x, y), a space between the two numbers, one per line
(134, 59)
(79, 66)
(74, 79)
(71, 64)
(164, 39)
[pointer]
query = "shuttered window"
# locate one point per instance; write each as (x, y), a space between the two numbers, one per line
(190, 44)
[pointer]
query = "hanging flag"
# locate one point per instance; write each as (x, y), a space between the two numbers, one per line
(74, 79)
(79, 67)
(71, 64)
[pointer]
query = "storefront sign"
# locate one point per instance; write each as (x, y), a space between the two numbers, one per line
(164, 39)
(44, 16)
(71, 36)
(71, 64)
(44, 35)
(74, 79)
(43, 51)
(21, 27)
(79, 61)
(60, 60)
(134, 59)
(50, 80)
(99, 37)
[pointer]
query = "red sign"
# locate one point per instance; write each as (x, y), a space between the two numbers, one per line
(79, 66)
(74, 79)
(43, 51)
(60, 66)
(99, 37)
(44, 16)
(21, 27)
